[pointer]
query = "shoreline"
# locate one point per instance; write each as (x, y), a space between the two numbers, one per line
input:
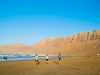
(68, 66)
(32, 59)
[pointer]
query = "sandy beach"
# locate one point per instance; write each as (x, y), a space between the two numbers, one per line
(68, 66)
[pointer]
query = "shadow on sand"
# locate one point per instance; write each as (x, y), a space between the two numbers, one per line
(56, 62)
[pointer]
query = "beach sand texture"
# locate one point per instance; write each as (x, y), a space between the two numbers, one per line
(68, 66)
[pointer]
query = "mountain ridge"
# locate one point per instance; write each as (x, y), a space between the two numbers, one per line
(82, 44)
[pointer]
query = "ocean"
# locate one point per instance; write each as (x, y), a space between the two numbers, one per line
(15, 57)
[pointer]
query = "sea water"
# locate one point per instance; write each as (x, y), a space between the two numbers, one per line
(15, 57)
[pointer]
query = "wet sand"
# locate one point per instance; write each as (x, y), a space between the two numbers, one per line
(68, 66)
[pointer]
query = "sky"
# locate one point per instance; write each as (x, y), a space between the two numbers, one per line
(29, 21)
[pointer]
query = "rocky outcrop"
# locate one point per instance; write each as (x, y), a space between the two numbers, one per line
(84, 43)
(85, 36)
(81, 44)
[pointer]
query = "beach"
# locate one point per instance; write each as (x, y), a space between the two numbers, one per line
(68, 66)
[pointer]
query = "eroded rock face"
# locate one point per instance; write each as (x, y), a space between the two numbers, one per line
(79, 43)
(84, 43)
(85, 36)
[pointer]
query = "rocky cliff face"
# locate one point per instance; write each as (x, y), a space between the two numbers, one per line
(85, 36)
(81, 44)
(84, 43)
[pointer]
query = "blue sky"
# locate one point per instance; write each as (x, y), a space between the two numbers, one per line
(29, 21)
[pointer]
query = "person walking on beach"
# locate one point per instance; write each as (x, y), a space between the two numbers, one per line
(59, 57)
(5, 57)
(47, 59)
(36, 59)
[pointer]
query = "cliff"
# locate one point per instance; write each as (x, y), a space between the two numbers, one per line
(81, 44)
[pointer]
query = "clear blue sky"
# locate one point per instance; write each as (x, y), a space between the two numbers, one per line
(29, 21)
